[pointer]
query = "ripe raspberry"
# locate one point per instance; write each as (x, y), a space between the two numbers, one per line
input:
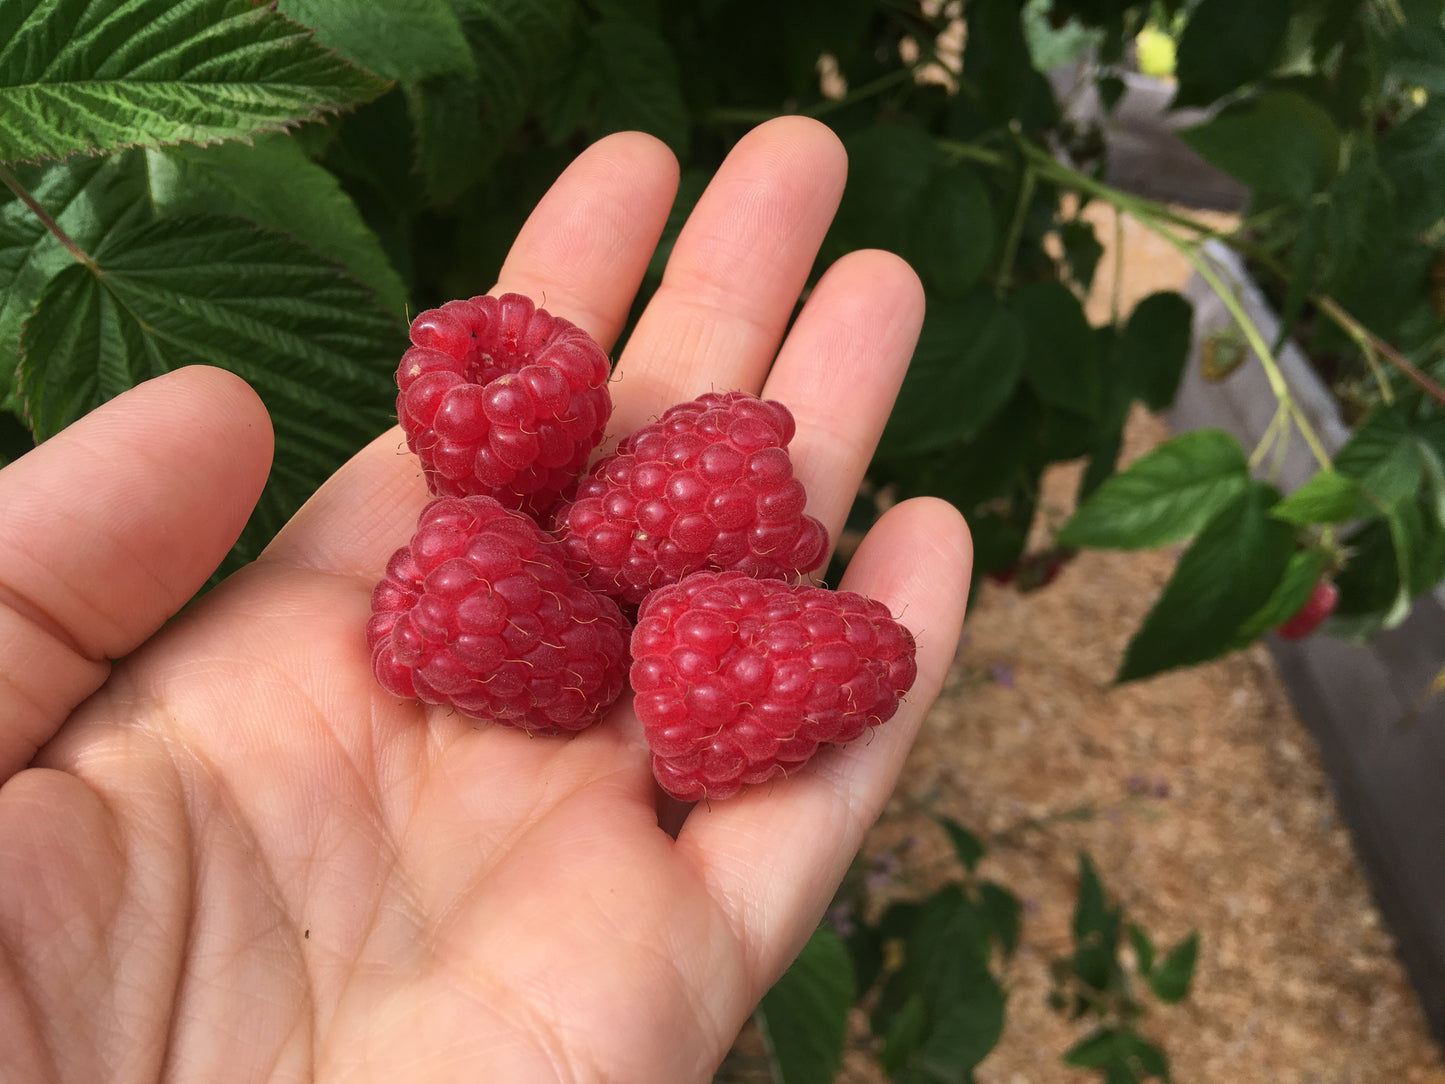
(739, 679)
(1312, 614)
(478, 611)
(709, 485)
(502, 398)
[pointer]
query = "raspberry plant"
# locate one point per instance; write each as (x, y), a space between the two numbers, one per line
(929, 973)
(274, 187)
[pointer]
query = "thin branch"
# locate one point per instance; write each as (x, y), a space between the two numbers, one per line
(11, 182)
(1367, 339)
(1156, 215)
(1016, 228)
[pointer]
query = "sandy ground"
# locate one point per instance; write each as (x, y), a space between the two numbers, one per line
(1207, 808)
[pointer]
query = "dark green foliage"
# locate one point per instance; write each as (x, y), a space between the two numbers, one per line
(930, 970)
(401, 146)
(1099, 981)
(804, 1017)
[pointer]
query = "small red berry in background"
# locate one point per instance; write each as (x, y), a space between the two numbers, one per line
(1312, 614)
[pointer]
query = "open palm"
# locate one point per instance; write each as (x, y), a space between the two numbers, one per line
(232, 856)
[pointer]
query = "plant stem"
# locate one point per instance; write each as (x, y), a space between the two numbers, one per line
(1272, 373)
(1157, 219)
(866, 91)
(972, 151)
(1152, 214)
(11, 182)
(1016, 228)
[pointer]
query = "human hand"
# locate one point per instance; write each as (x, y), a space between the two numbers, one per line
(235, 857)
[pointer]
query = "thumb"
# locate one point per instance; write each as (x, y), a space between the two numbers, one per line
(108, 528)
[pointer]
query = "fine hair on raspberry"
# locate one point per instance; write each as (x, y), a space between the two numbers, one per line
(479, 612)
(500, 398)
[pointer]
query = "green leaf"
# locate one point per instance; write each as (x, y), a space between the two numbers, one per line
(1281, 144)
(1305, 270)
(1370, 585)
(1116, 399)
(222, 292)
(1419, 541)
(1362, 221)
(275, 185)
(949, 942)
(907, 1028)
(1082, 251)
(1327, 497)
(1143, 948)
(1122, 1052)
(942, 1012)
(1154, 347)
(1148, 1057)
(1095, 1050)
(465, 122)
(1060, 360)
(620, 75)
(1227, 44)
(1383, 456)
(397, 39)
(1004, 913)
(968, 360)
(1000, 72)
(87, 197)
(1412, 156)
(889, 168)
(1304, 570)
(965, 1032)
(952, 232)
(966, 845)
(94, 75)
(1224, 578)
(804, 1018)
(1095, 930)
(1418, 48)
(1001, 528)
(1163, 497)
(971, 472)
(1171, 978)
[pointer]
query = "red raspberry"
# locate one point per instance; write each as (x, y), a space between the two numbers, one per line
(1312, 614)
(478, 611)
(739, 680)
(709, 485)
(502, 398)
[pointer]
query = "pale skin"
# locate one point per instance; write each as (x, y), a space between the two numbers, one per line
(232, 856)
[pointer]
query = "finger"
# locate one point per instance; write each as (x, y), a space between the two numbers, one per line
(585, 249)
(840, 370)
(735, 273)
(108, 529)
(773, 857)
